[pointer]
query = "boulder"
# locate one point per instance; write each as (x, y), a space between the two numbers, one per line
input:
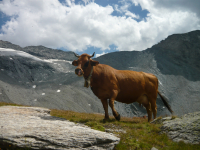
(35, 128)
(186, 128)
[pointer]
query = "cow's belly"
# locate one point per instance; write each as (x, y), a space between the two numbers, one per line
(126, 95)
(130, 91)
(123, 96)
(101, 93)
(128, 98)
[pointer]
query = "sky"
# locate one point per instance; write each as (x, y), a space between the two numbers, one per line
(100, 26)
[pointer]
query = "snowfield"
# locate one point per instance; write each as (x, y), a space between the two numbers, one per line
(12, 52)
(56, 60)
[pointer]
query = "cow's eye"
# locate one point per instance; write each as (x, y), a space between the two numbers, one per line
(86, 64)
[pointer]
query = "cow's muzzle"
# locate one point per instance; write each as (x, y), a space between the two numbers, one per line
(79, 72)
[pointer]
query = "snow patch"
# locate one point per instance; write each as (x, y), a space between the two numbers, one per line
(58, 90)
(34, 86)
(55, 60)
(43, 93)
(89, 104)
(12, 52)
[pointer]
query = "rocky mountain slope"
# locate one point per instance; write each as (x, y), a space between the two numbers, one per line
(175, 61)
(51, 82)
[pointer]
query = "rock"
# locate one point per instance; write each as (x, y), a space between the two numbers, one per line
(153, 148)
(35, 128)
(186, 128)
(160, 120)
(115, 130)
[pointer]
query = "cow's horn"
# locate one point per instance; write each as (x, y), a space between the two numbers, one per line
(92, 55)
(76, 55)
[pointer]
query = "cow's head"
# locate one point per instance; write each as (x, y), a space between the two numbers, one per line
(84, 64)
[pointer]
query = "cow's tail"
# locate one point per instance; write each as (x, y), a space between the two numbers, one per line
(165, 102)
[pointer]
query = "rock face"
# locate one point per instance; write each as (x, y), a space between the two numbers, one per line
(186, 128)
(35, 128)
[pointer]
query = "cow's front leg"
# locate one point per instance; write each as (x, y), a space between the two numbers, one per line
(111, 104)
(149, 111)
(105, 106)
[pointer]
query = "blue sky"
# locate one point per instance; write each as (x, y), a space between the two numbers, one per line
(101, 26)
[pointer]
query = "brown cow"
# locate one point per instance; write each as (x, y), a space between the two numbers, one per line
(121, 85)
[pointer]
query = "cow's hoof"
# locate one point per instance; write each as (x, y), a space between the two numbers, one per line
(105, 120)
(118, 117)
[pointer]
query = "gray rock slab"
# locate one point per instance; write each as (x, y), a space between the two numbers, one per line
(160, 120)
(186, 128)
(153, 148)
(35, 128)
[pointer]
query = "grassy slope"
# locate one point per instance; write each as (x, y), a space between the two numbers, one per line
(134, 133)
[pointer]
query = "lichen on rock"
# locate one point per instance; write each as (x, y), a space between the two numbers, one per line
(35, 128)
(186, 128)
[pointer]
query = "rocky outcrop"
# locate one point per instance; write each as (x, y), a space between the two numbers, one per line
(35, 128)
(186, 128)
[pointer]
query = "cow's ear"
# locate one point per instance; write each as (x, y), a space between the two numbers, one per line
(75, 63)
(94, 63)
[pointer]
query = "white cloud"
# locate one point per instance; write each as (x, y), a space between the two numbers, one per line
(87, 1)
(76, 27)
(69, 2)
(128, 13)
(123, 9)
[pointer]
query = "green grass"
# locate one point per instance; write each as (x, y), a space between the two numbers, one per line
(9, 104)
(134, 133)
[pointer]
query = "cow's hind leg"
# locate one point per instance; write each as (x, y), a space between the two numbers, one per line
(111, 104)
(144, 100)
(152, 99)
(105, 106)
(154, 109)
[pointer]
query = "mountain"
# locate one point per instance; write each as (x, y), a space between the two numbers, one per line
(45, 77)
(37, 81)
(175, 61)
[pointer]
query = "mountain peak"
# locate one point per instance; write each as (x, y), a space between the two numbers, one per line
(177, 42)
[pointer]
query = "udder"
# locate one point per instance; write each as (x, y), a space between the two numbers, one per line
(143, 99)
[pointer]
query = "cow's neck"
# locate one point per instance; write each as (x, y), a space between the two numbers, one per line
(87, 77)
